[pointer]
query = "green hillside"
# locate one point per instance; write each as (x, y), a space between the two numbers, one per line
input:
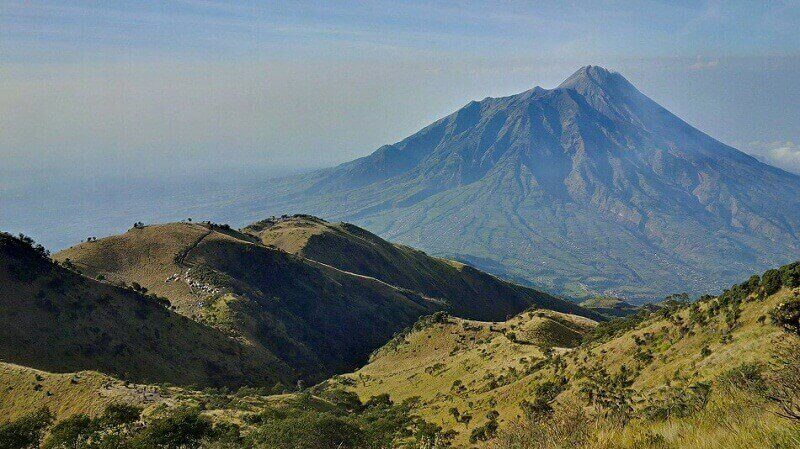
(720, 373)
(320, 297)
(315, 318)
(498, 374)
(468, 292)
(57, 320)
(610, 306)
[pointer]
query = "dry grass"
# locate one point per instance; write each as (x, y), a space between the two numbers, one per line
(430, 360)
(731, 420)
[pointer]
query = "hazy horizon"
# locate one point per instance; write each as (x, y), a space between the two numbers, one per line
(162, 104)
(140, 88)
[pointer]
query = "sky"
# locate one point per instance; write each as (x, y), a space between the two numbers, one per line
(139, 88)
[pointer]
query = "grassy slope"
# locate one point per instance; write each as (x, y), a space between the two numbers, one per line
(427, 361)
(316, 318)
(610, 306)
(470, 293)
(480, 355)
(61, 321)
(25, 389)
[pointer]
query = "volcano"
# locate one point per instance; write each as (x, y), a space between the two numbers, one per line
(588, 188)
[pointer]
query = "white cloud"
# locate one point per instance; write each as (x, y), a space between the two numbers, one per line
(782, 154)
(701, 64)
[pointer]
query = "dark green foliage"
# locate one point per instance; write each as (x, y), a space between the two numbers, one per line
(609, 329)
(347, 400)
(308, 430)
(338, 419)
(771, 282)
(541, 405)
(182, 428)
(787, 316)
(610, 393)
(26, 431)
(71, 432)
(119, 414)
(677, 401)
(484, 432)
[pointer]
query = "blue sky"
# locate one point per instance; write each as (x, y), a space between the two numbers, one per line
(138, 86)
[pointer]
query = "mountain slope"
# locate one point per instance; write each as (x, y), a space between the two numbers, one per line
(57, 320)
(315, 318)
(610, 306)
(589, 188)
(468, 292)
(478, 367)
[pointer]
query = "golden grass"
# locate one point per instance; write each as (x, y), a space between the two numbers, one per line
(431, 359)
(23, 390)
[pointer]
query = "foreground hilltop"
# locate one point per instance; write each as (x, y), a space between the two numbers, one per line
(590, 188)
(56, 320)
(720, 373)
(496, 381)
(313, 314)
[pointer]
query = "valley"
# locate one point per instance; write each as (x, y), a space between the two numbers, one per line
(439, 381)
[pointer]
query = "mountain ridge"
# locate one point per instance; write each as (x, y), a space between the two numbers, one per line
(317, 315)
(588, 188)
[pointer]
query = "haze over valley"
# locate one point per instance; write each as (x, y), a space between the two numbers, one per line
(416, 225)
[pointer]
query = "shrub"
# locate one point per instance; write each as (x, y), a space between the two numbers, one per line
(308, 430)
(541, 405)
(784, 383)
(771, 282)
(26, 431)
(678, 401)
(71, 432)
(118, 414)
(787, 316)
(568, 428)
(484, 432)
(182, 428)
(747, 376)
(611, 394)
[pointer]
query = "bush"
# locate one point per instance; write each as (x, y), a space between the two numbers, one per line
(771, 282)
(678, 401)
(541, 405)
(71, 432)
(308, 430)
(568, 428)
(611, 394)
(787, 316)
(747, 376)
(26, 431)
(182, 428)
(484, 432)
(784, 383)
(119, 414)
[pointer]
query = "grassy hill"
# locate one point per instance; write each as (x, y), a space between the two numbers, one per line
(316, 318)
(445, 362)
(320, 297)
(468, 292)
(685, 375)
(57, 320)
(496, 372)
(610, 306)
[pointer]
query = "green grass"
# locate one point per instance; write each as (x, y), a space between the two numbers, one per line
(498, 373)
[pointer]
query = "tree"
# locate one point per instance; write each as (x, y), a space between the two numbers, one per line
(609, 393)
(787, 316)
